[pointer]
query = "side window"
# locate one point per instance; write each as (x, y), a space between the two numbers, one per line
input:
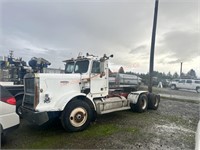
(197, 82)
(189, 81)
(182, 81)
(81, 66)
(96, 67)
(69, 67)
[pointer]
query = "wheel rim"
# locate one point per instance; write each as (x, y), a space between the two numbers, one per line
(173, 87)
(144, 103)
(78, 117)
(198, 90)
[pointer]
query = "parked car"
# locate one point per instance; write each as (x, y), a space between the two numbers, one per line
(17, 91)
(189, 84)
(8, 118)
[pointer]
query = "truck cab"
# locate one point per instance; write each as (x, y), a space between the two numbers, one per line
(92, 73)
(80, 94)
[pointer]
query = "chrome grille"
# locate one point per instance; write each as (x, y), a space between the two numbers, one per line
(30, 86)
(29, 101)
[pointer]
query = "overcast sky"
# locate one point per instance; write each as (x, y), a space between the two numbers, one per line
(59, 29)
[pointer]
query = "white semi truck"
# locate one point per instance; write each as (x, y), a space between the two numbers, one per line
(79, 95)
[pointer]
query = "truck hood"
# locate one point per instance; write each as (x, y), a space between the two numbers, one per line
(58, 76)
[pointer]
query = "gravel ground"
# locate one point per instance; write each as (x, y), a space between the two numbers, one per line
(181, 92)
(172, 127)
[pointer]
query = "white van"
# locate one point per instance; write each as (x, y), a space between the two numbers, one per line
(189, 84)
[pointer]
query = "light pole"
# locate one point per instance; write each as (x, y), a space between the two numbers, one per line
(153, 46)
(181, 69)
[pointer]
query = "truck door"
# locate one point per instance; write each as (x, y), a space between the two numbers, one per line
(189, 84)
(98, 81)
(181, 84)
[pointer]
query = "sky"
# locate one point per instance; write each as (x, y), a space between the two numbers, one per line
(61, 29)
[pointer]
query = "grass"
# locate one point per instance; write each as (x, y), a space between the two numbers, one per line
(53, 139)
(98, 130)
(58, 139)
(131, 130)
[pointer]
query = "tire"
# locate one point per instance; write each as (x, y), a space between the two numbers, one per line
(76, 116)
(154, 101)
(198, 89)
(18, 108)
(94, 116)
(141, 105)
(173, 87)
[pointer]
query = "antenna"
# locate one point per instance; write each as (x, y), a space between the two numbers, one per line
(79, 54)
(11, 53)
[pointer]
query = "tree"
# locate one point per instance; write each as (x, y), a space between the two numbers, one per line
(169, 75)
(192, 74)
(121, 70)
(175, 75)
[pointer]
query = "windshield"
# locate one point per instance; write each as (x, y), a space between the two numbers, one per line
(81, 66)
(69, 67)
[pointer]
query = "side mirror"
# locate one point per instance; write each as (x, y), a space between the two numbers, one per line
(111, 56)
(102, 74)
(101, 67)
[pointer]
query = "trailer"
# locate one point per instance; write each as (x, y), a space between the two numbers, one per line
(124, 82)
(79, 95)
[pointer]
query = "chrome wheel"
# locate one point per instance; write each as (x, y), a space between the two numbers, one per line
(144, 103)
(156, 102)
(78, 117)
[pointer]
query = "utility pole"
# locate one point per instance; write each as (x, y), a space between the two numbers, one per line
(181, 69)
(153, 46)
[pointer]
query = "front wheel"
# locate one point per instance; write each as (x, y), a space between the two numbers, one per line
(76, 116)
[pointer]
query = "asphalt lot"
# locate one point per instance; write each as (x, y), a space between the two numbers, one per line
(172, 126)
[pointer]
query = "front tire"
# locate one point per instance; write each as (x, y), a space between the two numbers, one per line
(76, 116)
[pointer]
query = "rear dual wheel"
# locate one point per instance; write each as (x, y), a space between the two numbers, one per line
(154, 101)
(141, 105)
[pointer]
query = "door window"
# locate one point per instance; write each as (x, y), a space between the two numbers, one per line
(69, 67)
(197, 82)
(182, 81)
(96, 67)
(189, 81)
(81, 66)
